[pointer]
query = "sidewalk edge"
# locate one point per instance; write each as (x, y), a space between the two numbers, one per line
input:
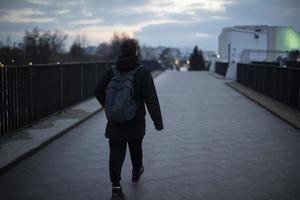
(46, 142)
(278, 109)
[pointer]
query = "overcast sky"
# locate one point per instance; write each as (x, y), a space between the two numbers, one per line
(177, 23)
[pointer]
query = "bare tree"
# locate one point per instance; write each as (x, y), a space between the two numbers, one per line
(104, 51)
(77, 50)
(43, 46)
(11, 53)
(166, 58)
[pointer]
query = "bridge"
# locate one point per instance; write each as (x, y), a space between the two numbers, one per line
(217, 144)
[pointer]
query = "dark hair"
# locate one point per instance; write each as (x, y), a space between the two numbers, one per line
(128, 47)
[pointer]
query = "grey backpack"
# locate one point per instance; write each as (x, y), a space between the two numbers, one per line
(120, 105)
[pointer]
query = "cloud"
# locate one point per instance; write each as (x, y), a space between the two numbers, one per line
(165, 7)
(268, 12)
(87, 21)
(104, 33)
(86, 13)
(63, 12)
(219, 17)
(201, 35)
(176, 34)
(154, 22)
(25, 16)
(39, 2)
(211, 6)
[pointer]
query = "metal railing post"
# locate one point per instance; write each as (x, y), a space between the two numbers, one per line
(61, 86)
(31, 95)
(81, 81)
(96, 73)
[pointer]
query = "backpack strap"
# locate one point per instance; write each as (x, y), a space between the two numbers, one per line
(132, 77)
(115, 71)
(130, 73)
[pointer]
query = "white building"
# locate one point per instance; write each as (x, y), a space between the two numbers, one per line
(255, 43)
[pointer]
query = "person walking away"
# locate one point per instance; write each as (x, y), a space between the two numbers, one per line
(123, 91)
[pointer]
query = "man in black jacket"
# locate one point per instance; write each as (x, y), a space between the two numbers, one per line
(130, 132)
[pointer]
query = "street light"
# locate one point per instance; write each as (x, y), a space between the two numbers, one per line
(30, 63)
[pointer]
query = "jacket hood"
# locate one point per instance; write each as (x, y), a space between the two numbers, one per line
(127, 63)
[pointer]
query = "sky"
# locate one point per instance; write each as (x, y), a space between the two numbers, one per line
(176, 23)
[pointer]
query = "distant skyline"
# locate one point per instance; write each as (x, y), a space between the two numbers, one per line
(179, 23)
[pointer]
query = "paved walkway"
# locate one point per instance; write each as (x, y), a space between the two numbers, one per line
(217, 144)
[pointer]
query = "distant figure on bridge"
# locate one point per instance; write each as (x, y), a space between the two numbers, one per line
(123, 91)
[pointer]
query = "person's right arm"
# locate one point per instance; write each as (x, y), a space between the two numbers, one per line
(101, 86)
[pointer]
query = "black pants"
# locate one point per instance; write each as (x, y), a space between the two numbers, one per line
(117, 157)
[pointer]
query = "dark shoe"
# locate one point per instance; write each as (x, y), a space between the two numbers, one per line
(136, 175)
(117, 193)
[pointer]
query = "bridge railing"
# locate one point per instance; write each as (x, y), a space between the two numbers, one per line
(30, 93)
(282, 84)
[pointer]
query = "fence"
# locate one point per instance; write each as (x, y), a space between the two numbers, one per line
(274, 64)
(293, 64)
(221, 68)
(282, 84)
(30, 93)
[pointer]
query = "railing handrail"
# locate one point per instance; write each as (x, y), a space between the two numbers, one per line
(268, 66)
(57, 64)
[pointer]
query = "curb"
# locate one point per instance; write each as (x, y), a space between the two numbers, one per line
(285, 113)
(45, 143)
(213, 74)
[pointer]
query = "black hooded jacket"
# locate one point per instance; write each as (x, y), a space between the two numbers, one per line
(144, 92)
